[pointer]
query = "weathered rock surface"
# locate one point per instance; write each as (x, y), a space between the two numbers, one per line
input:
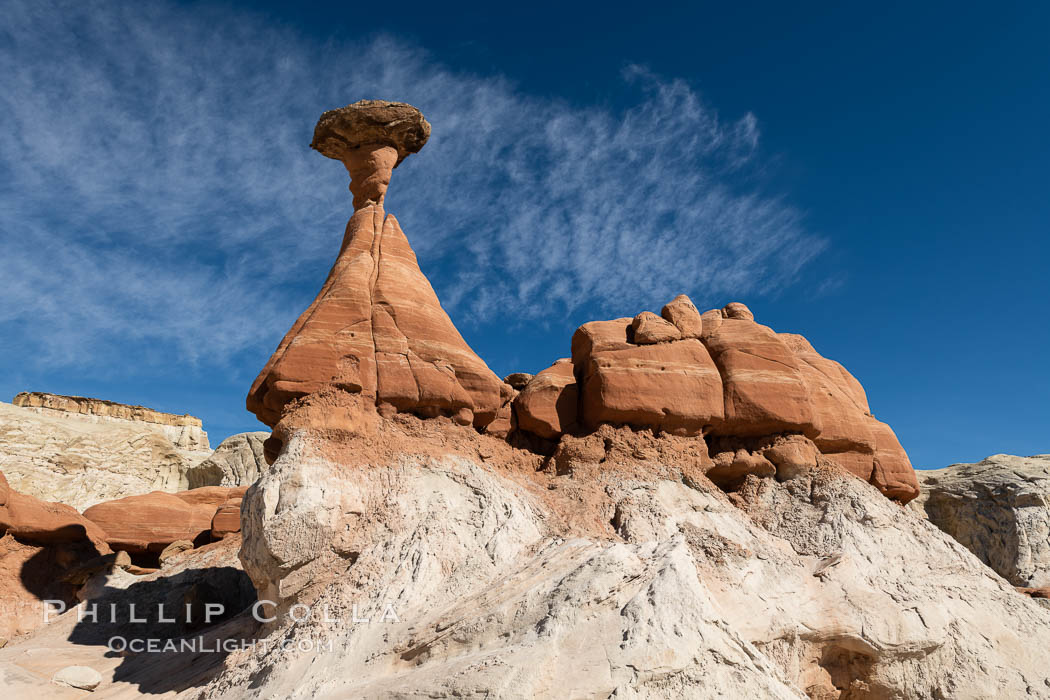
(518, 380)
(629, 575)
(226, 521)
(377, 327)
(41, 545)
(649, 329)
(673, 386)
(41, 522)
(721, 374)
(210, 576)
(80, 677)
(84, 459)
(237, 461)
(999, 509)
(764, 389)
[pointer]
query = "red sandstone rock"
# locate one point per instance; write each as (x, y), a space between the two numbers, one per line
(837, 397)
(793, 455)
(671, 386)
(599, 336)
(518, 380)
(893, 473)
(547, 406)
(377, 327)
(226, 521)
(31, 520)
(859, 464)
(683, 314)
(730, 467)
(648, 329)
(150, 522)
(764, 389)
(710, 320)
(1035, 592)
(735, 309)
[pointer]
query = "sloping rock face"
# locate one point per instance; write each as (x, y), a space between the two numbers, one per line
(999, 509)
(377, 327)
(722, 375)
(484, 570)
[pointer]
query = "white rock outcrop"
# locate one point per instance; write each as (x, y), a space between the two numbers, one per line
(634, 580)
(999, 509)
(237, 461)
(84, 459)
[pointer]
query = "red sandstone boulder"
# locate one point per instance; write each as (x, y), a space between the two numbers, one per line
(860, 464)
(150, 522)
(547, 405)
(598, 336)
(838, 399)
(683, 314)
(729, 468)
(764, 389)
(735, 309)
(648, 329)
(226, 521)
(670, 386)
(31, 520)
(793, 455)
(518, 380)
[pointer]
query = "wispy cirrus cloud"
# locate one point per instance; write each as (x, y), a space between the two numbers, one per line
(157, 191)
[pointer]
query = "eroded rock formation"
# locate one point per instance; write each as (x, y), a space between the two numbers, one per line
(81, 459)
(150, 522)
(377, 332)
(377, 328)
(617, 569)
(40, 543)
(721, 375)
(999, 509)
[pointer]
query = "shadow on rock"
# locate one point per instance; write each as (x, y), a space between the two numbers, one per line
(173, 632)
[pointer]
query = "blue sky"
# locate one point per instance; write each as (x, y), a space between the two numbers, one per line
(872, 177)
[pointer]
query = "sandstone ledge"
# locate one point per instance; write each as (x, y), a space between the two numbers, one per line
(101, 407)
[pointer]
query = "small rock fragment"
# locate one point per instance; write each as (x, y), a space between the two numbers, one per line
(80, 677)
